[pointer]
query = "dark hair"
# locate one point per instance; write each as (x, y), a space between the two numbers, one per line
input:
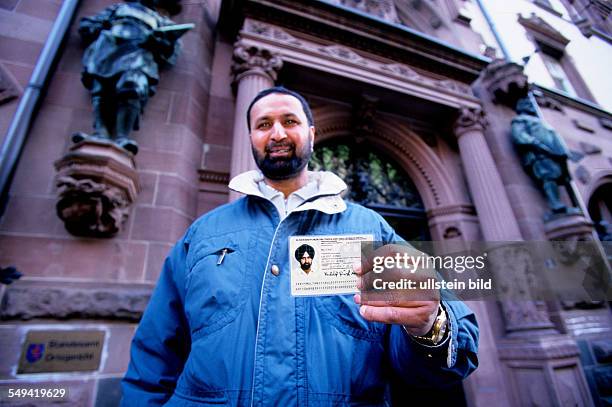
(284, 91)
(299, 252)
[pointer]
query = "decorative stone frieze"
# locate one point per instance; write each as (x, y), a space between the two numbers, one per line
(259, 31)
(215, 177)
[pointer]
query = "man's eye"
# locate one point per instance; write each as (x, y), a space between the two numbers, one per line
(263, 125)
(290, 122)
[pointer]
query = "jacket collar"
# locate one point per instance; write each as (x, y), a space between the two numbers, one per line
(327, 199)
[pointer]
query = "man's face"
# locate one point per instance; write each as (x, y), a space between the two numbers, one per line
(281, 138)
(305, 261)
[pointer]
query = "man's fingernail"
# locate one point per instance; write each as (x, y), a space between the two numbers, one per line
(362, 310)
(357, 298)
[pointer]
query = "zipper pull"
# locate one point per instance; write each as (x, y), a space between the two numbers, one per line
(221, 257)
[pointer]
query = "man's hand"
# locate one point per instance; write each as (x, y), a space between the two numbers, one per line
(415, 308)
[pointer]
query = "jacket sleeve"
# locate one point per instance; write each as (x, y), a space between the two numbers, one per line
(434, 366)
(427, 366)
(162, 342)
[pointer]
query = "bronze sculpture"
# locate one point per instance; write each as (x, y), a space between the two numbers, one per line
(543, 155)
(126, 45)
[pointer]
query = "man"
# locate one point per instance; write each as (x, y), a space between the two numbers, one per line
(222, 328)
(304, 255)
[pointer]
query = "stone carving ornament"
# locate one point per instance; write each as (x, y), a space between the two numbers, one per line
(470, 119)
(101, 209)
(249, 59)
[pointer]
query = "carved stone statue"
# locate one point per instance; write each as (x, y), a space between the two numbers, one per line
(126, 45)
(543, 154)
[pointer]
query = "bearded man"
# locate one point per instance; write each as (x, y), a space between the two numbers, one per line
(222, 327)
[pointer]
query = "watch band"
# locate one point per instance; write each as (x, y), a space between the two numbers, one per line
(437, 332)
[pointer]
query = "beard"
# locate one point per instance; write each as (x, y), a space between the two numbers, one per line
(305, 266)
(282, 168)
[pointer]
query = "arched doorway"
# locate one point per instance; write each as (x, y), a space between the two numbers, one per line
(376, 182)
(600, 210)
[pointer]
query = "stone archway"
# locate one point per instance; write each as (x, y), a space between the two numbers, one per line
(450, 215)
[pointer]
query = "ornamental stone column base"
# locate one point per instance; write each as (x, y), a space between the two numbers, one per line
(97, 182)
(544, 371)
(569, 226)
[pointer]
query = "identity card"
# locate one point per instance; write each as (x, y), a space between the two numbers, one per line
(323, 265)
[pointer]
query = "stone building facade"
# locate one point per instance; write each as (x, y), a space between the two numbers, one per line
(424, 86)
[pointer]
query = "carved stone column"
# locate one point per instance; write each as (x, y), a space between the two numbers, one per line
(255, 69)
(496, 219)
(538, 361)
(485, 184)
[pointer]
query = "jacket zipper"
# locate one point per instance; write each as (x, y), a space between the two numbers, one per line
(263, 283)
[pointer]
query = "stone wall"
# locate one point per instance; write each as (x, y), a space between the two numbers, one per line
(79, 283)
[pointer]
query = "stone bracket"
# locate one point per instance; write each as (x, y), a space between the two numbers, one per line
(97, 182)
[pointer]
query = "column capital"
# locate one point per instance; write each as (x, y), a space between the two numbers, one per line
(470, 119)
(253, 60)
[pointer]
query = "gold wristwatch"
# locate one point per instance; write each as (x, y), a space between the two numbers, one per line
(437, 332)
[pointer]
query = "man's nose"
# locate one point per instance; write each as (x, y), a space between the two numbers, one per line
(278, 131)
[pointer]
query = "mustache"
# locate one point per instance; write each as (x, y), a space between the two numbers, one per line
(283, 144)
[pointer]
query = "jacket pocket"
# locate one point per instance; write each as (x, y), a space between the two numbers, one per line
(215, 287)
(342, 312)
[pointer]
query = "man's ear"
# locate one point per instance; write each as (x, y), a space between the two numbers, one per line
(312, 131)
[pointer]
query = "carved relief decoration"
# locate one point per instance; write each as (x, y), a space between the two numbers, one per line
(90, 208)
(344, 53)
(453, 85)
(402, 70)
(260, 59)
(214, 177)
(270, 31)
(384, 9)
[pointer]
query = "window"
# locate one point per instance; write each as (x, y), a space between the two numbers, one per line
(558, 75)
(550, 44)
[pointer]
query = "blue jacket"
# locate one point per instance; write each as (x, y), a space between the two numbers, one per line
(231, 334)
